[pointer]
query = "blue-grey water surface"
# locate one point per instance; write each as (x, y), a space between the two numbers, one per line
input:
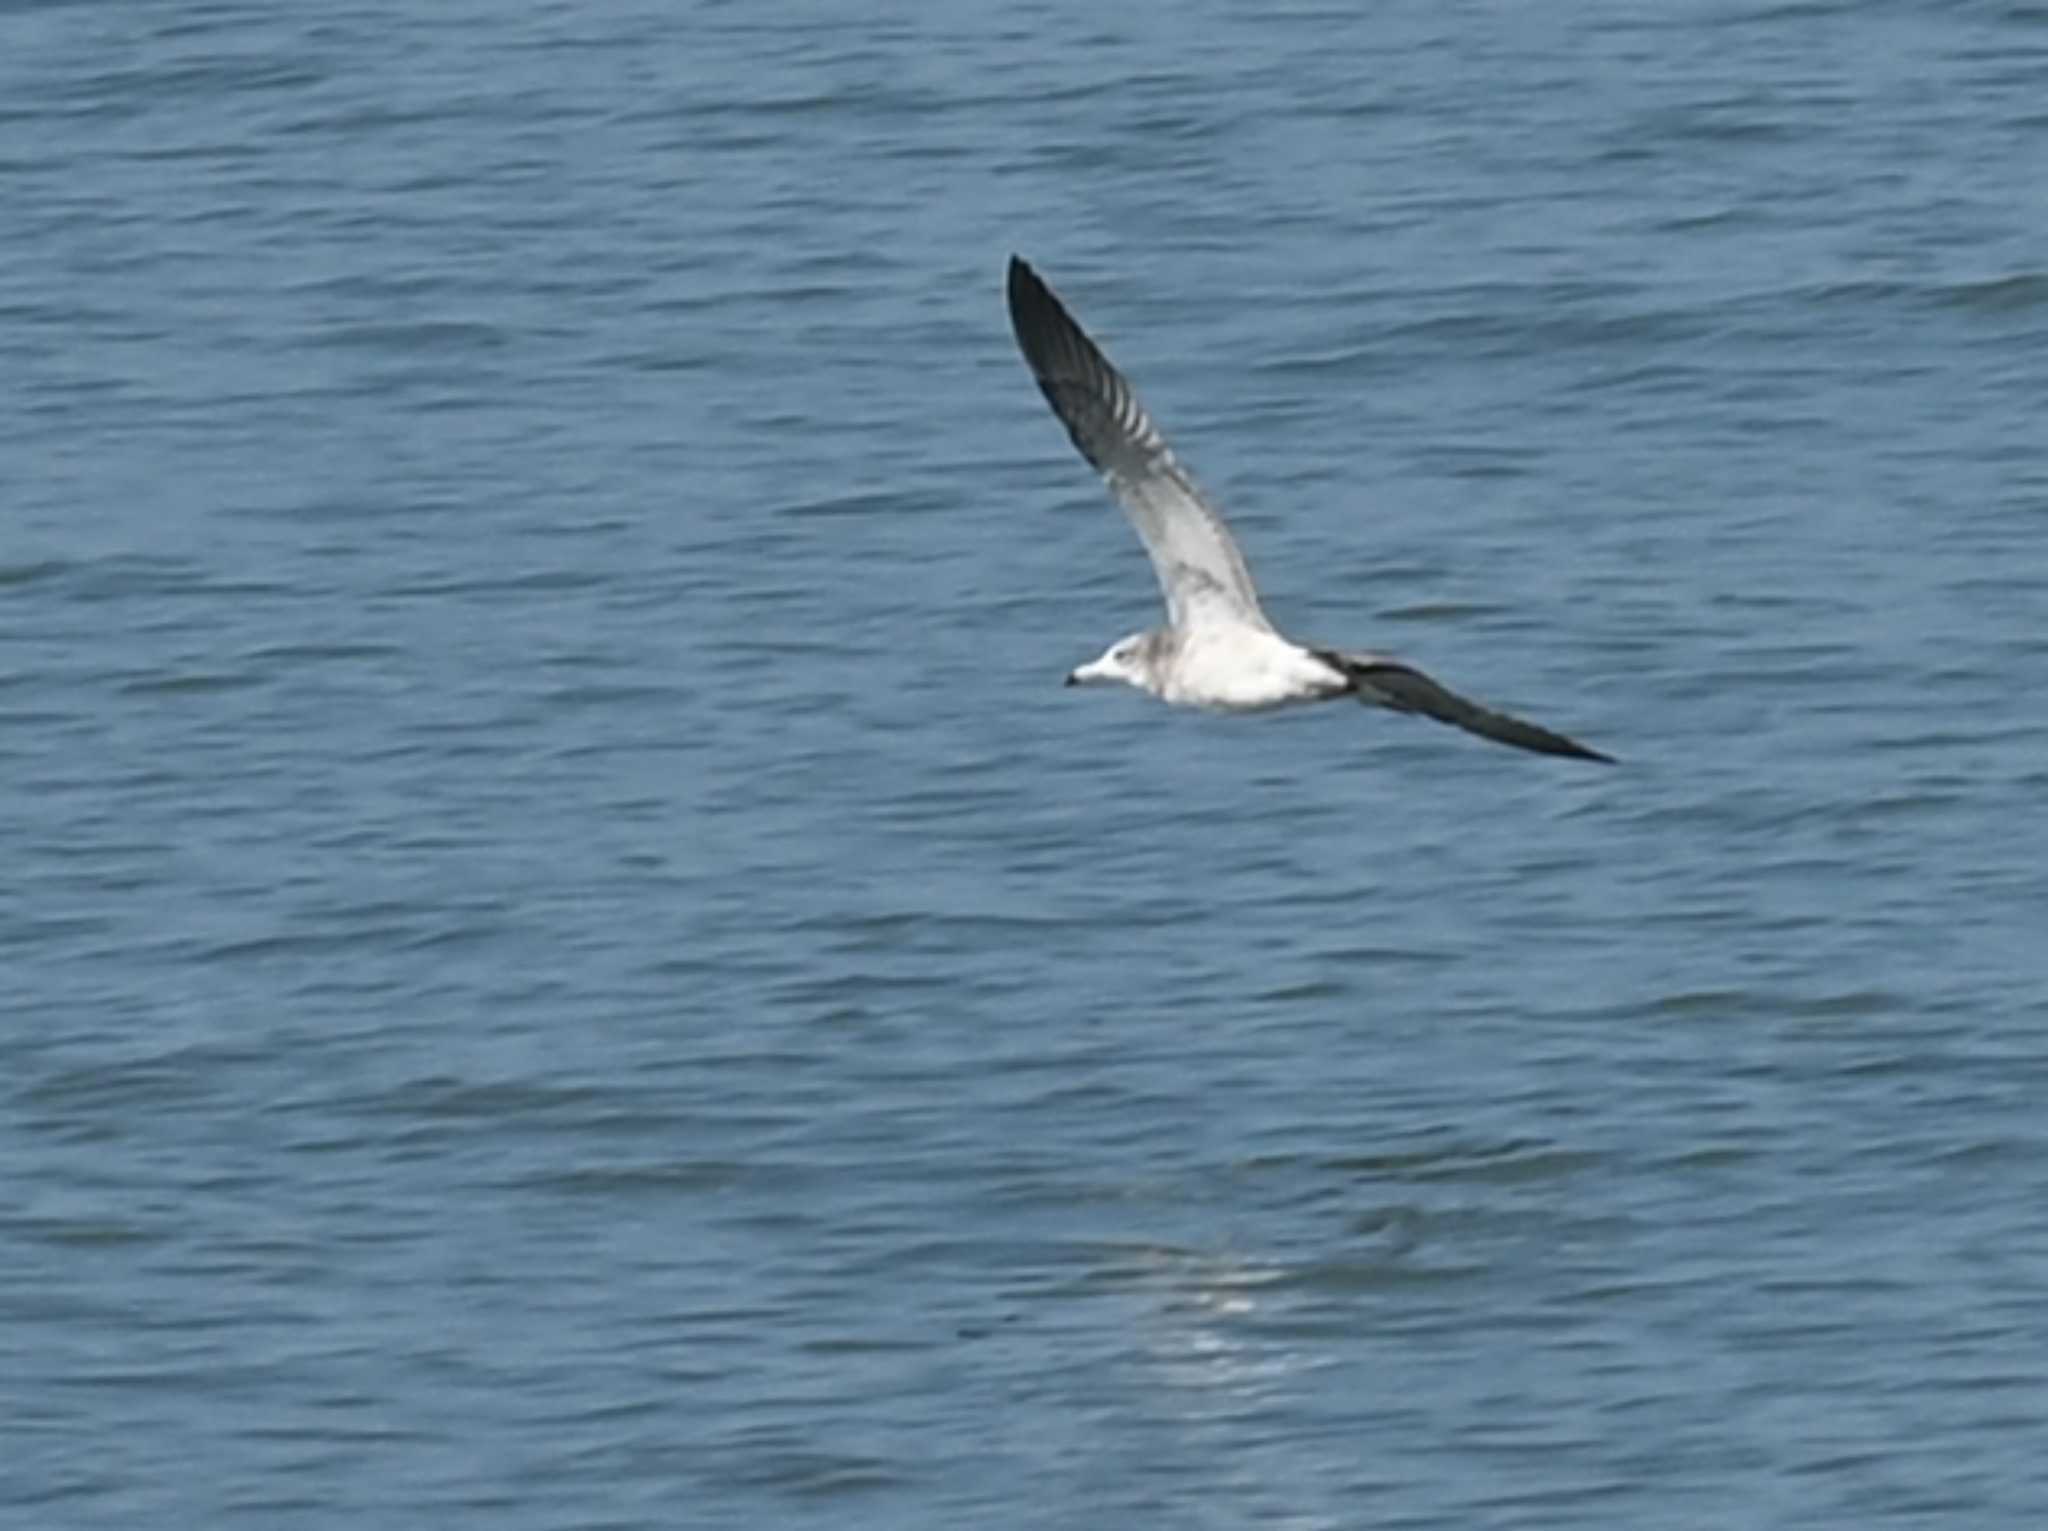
(567, 962)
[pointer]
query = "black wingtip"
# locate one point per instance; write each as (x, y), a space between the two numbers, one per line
(1542, 741)
(1045, 331)
(1030, 298)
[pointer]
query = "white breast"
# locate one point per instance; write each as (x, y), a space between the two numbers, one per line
(1241, 669)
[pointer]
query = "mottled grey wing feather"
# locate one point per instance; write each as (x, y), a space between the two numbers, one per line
(1201, 571)
(1390, 683)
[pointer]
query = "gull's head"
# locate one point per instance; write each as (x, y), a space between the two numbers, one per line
(1128, 661)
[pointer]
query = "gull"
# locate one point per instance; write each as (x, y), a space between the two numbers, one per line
(1218, 650)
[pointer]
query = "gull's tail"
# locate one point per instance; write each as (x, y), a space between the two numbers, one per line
(1382, 682)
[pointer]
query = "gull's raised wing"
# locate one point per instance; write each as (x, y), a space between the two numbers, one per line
(1200, 569)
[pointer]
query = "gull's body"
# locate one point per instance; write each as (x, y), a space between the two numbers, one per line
(1218, 649)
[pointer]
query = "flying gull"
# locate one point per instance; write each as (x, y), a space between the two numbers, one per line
(1218, 649)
